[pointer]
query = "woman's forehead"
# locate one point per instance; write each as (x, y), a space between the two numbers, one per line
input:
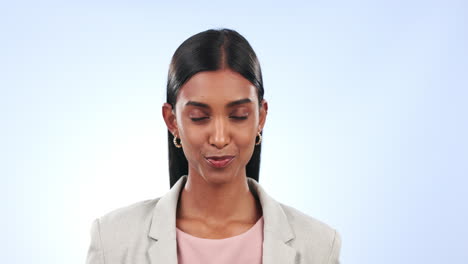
(220, 86)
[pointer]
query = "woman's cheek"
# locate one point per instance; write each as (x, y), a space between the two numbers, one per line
(194, 138)
(246, 139)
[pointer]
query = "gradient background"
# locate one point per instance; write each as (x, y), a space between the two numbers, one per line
(367, 126)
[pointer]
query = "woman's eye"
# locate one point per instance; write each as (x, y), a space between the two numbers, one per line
(196, 119)
(239, 117)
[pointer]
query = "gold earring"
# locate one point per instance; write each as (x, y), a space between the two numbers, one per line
(259, 139)
(177, 145)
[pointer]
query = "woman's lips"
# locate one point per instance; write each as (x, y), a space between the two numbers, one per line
(219, 161)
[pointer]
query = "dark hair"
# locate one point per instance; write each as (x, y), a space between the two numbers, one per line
(211, 50)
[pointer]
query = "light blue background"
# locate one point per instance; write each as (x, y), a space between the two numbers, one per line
(367, 126)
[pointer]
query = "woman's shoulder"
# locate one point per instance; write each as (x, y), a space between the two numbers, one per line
(120, 231)
(298, 219)
(306, 227)
(133, 212)
(128, 221)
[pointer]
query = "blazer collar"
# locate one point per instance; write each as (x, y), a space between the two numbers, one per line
(276, 232)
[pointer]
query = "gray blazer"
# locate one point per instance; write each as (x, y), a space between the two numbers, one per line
(145, 233)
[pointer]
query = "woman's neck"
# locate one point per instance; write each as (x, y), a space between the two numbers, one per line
(219, 203)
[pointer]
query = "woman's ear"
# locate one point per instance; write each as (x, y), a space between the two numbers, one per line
(169, 118)
(263, 114)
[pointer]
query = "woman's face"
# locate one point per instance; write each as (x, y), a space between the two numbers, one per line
(217, 118)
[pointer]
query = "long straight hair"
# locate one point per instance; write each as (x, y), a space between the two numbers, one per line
(211, 50)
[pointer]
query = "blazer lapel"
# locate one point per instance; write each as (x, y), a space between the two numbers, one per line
(163, 252)
(276, 251)
(276, 230)
(163, 227)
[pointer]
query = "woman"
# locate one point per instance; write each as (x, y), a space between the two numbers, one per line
(215, 212)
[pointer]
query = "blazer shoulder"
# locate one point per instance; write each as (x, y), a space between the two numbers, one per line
(311, 232)
(130, 213)
(305, 222)
(127, 223)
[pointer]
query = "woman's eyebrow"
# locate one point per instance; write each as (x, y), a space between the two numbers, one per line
(231, 104)
(197, 104)
(238, 102)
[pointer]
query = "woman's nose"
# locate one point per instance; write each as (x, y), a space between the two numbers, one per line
(219, 136)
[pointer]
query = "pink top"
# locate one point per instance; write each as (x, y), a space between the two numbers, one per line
(244, 248)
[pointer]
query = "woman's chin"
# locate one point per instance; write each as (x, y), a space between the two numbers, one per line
(219, 177)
